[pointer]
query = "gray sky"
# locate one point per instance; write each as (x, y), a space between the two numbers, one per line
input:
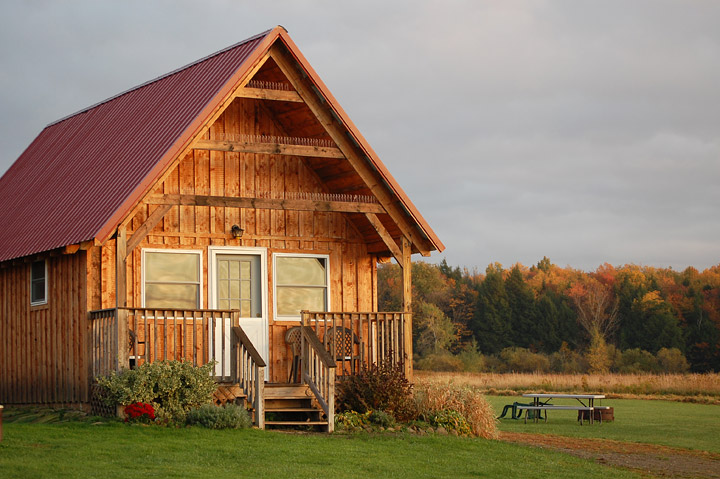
(585, 131)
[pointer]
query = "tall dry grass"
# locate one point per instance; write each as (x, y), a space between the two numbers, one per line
(703, 388)
(436, 396)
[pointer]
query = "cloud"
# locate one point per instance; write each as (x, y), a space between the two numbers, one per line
(580, 130)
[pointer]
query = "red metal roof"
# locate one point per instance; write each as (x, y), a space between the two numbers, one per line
(83, 173)
(81, 170)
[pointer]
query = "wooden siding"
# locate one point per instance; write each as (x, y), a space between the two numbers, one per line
(217, 173)
(43, 349)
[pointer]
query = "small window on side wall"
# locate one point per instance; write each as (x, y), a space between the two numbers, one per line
(38, 283)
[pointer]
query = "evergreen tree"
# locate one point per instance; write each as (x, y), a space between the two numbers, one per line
(491, 323)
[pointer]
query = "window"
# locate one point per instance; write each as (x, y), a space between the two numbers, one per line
(38, 283)
(172, 279)
(301, 283)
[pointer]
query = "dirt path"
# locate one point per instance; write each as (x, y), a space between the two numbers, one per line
(648, 459)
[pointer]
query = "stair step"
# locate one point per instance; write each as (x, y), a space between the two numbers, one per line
(295, 398)
(292, 409)
(290, 391)
(296, 423)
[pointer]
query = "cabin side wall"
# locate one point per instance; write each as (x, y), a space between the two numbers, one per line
(201, 172)
(43, 349)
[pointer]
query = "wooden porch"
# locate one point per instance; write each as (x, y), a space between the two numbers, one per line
(324, 347)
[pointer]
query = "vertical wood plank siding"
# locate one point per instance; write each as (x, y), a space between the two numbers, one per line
(200, 172)
(43, 349)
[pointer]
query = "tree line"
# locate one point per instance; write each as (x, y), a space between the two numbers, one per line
(544, 310)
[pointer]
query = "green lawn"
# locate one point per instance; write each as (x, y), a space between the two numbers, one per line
(108, 450)
(686, 425)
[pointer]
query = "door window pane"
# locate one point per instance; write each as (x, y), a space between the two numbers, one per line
(238, 281)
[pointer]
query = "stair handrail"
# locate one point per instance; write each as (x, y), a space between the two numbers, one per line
(318, 371)
(248, 369)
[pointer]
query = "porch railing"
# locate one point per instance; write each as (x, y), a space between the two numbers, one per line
(357, 340)
(125, 336)
(248, 367)
(318, 372)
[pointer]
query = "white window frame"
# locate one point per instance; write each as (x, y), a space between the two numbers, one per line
(328, 295)
(44, 299)
(174, 251)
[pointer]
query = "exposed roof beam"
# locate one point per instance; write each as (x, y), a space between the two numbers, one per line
(387, 239)
(268, 148)
(152, 220)
(337, 132)
(266, 203)
(267, 94)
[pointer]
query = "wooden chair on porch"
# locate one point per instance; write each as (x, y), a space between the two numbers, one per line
(292, 338)
(340, 342)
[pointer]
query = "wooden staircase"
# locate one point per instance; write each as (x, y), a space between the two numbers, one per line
(286, 405)
(293, 405)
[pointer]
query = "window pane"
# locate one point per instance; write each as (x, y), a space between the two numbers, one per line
(300, 271)
(38, 270)
(235, 289)
(223, 290)
(38, 291)
(37, 282)
(234, 270)
(245, 309)
(171, 296)
(290, 301)
(222, 270)
(172, 267)
(223, 304)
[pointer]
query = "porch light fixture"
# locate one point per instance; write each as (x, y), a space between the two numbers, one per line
(236, 231)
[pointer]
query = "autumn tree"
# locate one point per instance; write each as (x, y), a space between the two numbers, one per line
(597, 314)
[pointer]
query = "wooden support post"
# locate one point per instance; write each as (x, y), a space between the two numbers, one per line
(121, 317)
(121, 267)
(331, 401)
(407, 306)
(260, 397)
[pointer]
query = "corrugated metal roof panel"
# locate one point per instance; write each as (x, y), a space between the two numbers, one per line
(80, 170)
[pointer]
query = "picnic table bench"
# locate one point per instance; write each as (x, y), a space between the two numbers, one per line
(541, 402)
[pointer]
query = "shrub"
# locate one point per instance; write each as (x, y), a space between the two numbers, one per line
(444, 362)
(522, 360)
(450, 420)
(377, 388)
(351, 420)
(636, 361)
(381, 418)
(472, 359)
(435, 400)
(230, 416)
(672, 360)
(171, 387)
(567, 361)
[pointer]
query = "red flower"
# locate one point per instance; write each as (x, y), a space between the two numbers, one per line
(139, 411)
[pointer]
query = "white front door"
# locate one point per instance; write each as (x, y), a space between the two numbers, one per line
(238, 281)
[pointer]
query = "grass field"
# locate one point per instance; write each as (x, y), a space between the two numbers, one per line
(108, 450)
(675, 424)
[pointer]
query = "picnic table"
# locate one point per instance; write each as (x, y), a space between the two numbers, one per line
(542, 402)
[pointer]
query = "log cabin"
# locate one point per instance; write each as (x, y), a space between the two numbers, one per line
(227, 211)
